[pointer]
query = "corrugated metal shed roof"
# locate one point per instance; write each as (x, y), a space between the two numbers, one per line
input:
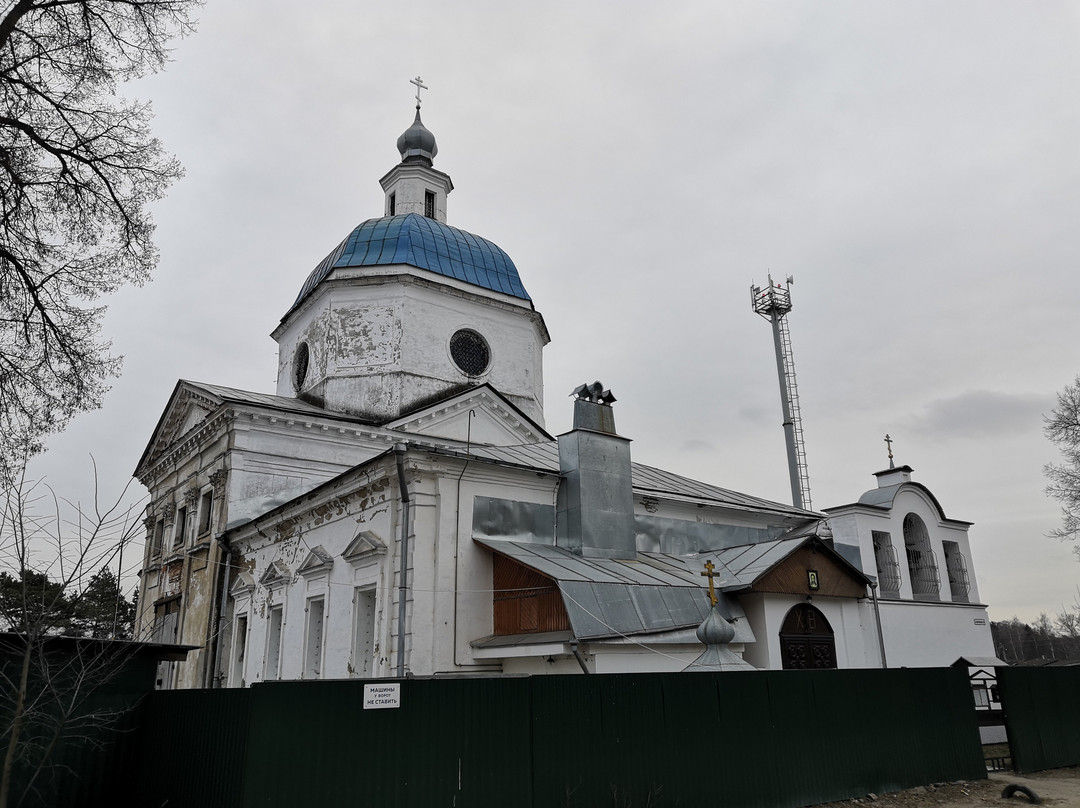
(607, 597)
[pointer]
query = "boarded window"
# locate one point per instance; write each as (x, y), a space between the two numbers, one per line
(159, 534)
(180, 528)
(206, 509)
(314, 641)
(363, 647)
(273, 644)
(525, 602)
(239, 651)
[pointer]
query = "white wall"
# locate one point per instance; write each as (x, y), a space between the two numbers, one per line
(852, 622)
(378, 348)
(919, 635)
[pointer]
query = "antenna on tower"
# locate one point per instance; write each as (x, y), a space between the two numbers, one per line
(773, 302)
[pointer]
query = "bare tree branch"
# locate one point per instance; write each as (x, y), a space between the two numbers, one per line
(63, 587)
(1062, 427)
(78, 168)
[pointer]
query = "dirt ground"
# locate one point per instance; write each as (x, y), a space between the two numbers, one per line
(1059, 787)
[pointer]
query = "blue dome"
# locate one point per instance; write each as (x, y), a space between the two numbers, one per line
(425, 243)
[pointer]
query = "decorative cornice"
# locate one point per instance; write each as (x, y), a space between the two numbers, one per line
(159, 466)
(378, 276)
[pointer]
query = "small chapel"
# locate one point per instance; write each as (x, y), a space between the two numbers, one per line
(397, 508)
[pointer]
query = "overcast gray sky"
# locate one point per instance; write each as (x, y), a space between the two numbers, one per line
(914, 165)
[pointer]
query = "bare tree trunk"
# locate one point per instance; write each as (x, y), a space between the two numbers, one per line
(16, 725)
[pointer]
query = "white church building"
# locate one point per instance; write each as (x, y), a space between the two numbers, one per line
(398, 508)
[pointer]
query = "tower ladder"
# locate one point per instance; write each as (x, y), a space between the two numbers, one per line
(796, 413)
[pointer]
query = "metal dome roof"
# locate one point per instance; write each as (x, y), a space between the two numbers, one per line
(417, 142)
(424, 243)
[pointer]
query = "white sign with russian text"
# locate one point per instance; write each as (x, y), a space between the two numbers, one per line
(382, 697)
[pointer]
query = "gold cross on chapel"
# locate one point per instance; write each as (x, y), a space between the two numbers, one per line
(710, 574)
(888, 441)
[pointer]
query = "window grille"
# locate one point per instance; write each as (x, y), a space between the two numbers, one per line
(922, 563)
(429, 204)
(888, 568)
(470, 352)
(956, 568)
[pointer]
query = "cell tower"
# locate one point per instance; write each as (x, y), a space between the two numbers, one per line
(773, 302)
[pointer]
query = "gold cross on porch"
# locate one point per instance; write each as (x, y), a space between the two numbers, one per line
(710, 573)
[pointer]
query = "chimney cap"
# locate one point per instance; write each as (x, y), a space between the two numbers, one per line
(594, 392)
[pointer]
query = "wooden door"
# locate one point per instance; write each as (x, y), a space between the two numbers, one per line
(806, 640)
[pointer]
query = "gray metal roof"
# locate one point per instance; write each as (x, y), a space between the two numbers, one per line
(288, 403)
(542, 456)
(979, 662)
(745, 564)
(646, 479)
(885, 496)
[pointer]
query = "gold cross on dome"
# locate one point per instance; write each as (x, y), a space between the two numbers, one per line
(710, 574)
(888, 441)
(419, 86)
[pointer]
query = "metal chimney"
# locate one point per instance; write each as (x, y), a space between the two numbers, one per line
(596, 496)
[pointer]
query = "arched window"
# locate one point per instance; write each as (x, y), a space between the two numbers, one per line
(806, 639)
(922, 563)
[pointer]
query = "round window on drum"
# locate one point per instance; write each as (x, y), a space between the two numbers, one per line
(470, 352)
(301, 360)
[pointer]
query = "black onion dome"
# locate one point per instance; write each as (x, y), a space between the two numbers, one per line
(417, 142)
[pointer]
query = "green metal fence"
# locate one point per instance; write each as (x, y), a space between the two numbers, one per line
(748, 739)
(192, 749)
(1042, 716)
(782, 738)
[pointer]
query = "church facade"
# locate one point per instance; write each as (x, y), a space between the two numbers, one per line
(397, 507)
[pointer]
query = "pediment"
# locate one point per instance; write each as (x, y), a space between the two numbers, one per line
(276, 574)
(812, 569)
(318, 560)
(242, 584)
(494, 420)
(364, 547)
(188, 407)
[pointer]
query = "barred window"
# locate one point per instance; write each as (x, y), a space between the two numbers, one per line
(470, 352)
(300, 365)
